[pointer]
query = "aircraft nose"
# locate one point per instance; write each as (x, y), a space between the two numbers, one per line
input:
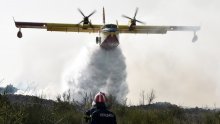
(110, 30)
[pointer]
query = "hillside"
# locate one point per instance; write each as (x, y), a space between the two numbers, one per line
(21, 109)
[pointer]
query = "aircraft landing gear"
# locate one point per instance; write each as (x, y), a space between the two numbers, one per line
(19, 34)
(98, 40)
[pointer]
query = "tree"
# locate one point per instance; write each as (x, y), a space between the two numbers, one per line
(151, 96)
(9, 89)
(142, 97)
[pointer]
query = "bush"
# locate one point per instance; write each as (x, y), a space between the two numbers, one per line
(41, 111)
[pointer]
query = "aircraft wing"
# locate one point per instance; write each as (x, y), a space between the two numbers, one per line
(156, 29)
(62, 27)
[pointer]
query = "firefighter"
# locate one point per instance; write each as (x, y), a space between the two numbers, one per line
(101, 115)
(89, 112)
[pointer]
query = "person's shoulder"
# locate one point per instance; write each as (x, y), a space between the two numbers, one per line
(101, 111)
(96, 112)
(90, 111)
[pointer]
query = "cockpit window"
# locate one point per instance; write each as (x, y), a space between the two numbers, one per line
(109, 26)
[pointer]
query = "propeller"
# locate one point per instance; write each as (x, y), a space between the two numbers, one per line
(86, 18)
(133, 20)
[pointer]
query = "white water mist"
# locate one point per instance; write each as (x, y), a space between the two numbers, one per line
(96, 69)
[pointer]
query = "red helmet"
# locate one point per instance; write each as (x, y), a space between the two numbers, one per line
(100, 98)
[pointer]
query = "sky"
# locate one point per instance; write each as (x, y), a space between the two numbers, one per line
(180, 72)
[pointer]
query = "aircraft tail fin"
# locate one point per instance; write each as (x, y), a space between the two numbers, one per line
(103, 15)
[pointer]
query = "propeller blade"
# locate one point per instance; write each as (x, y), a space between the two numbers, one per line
(134, 20)
(91, 13)
(140, 21)
(81, 12)
(126, 17)
(135, 14)
(80, 22)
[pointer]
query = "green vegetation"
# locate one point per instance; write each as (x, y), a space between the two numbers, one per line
(38, 112)
(170, 115)
(18, 109)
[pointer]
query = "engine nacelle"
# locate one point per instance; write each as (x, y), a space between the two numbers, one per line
(98, 40)
(131, 25)
(19, 34)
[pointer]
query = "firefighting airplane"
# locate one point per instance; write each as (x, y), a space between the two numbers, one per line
(108, 33)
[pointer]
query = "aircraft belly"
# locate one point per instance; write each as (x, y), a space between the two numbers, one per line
(110, 42)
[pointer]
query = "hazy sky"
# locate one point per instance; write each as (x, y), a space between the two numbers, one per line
(180, 71)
